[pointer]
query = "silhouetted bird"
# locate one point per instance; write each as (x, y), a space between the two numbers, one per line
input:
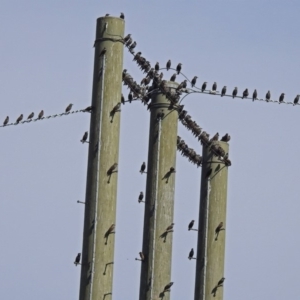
(173, 77)
(191, 254)
(235, 91)
(41, 114)
(30, 116)
(77, 259)
(122, 16)
(219, 227)
(178, 68)
(141, 197)
(296, 100)
(69, 107)
(122, 99)
(245, 94)
(214, 87)
(223, 92)
(193, 82)
(130, 97)
(142, 256)
(225, 138)
(168, 286)
(20, 118)
(203, 88)
(281, 97)
(6, 121)
(221, 281)
(103, 51)
(143, 168)
(268, 96)
(254, 96)
(84, 138)
(182, 85)
(168, 65)
(127, 37)
(191, 224)
(156, 67)
(89, 109)
(106, 15)
(132, 46)
(215, 137)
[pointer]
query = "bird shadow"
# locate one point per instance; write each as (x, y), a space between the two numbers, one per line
(107, 234)
(165, 234)
(217, 234)
(168, 175)
(110, 263)
(107, 294)
(214, 291)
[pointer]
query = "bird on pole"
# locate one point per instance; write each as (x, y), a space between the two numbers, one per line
(41, 114)
(142, 256)
(84, 138)
(20, 118)
(254, 96)
(122, 99)
(281, 98)
(6, 121)
(127, 37)
(141, 197)
(168, 66)
(223, 92)
(143, 168)
(296, 100)
(168, 286)
(214, 87)
(203, 88)
(122, 16)
(132, 46)
(69, 107)
(130, 97)
(182, 85)
(193, 82)
(191, 225)
(173, 77)
(103, 51)
(268, 96)
(30, 116)
(225, 138)
(235, 91)
(191, 254)
(178, 68)
(245, 94)
(77, 259)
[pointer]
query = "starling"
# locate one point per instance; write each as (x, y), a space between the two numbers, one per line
(122, 99)
(69, 107)
(6, 121)
(103, 51)
(132, 46)
(168, 66)
(106, 15)
(137, 57)
(168, 286)
(89, 109)
(268, 96)
(173, 77)
(203, 88)
(221, 281)
(281, 98)
(219, 228)
(178, 68)
(214, 87)
(127, 37)
(20, 118)
(142, 256)
(225, 138)
(245, 94)
(84, 138)
(223, 92)
(130, 97)
(77, 259)
(235, 91)
(215, 137)
(156, 67)
(191, 254)
(143, 168)
(122, 16)
(193, 82)
(141, 197)
(191, 224)
(296, 100)
(182, 85)
(41, 114)
(129, 41)
(170, 227)
(30, 116)
(254, 96)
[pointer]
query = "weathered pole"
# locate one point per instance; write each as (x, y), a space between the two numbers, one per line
(211, 241)
(159, 200)
(101, 188)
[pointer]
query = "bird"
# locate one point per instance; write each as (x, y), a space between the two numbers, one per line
(141, 197)
(208, 173)
(214, 87)
(20, 118)
(203, 88)
(215, 137)
(130, 97)
(191, 225)
(235, 91)
(193, 82)
(178, 68)
(6, 121)
(84, 138)
(142, 256)
(170, 227)
(122, 16)
(168, 66)
(103, 51)
(268, 96)
(219, 227)
(191, 254)
(143, 168)
(112, 168)
(30, 116)
(173, 77)
(89, 109)
(156, 67)
(69, 107)
(296, 100)
(41, 114)
(182, 85)
(221, 281)
(281, 98)
(254, 96)
(77, 259)
(122, 99)
(223, 92)
(245, 94)
(225, 138)
(132, 46)
(168, 286)
(106, 15)
(127, 37)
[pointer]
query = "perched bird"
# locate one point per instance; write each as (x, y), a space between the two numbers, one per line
(182, 85)
(20, 118)
(143, 168)
(156, 67)
(223, 92)
(122, 99)
(130, 97)
(191, 224)
(168, 66)
(122, 16)
(41, 114)
(178, 68)
(235, 91)
(173, 77)
(214, 87)
(30, 116)
(112, 169)
(141, 197)
(172, 170)
(203, 88)
(84, 138)
(168, 286)
(245, 94)
(170, 227)
(106, 15)
(89, 109)
(215, 137)
(254, 96)
(193, 82)
(296, 100)
(69, 107)
(221, 281)
(142, 256)
(281, 97)
(103, 51)
(127, 37)
(6, 121)
(132, 46)
(268, 96)
(77, 259)
(225, 138)
(191, 254)
(219, 227)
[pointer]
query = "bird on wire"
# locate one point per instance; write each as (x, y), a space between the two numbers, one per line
(30, 116)
(203, 88)
(281, 98)
(193, 82)
(41, 114)
(296, 100)
(77, 259)
(156, 67)
(223, 92)
(6, 121)
(214, 87)
(245, 94)
(143, 168)
(168, 66)
(84, 138)
(178, 68)
(254, 96)
(173, 77)
(268, 96)
(69, 107)
(191, 254)
(235, 91)
(141, 197)
(20, 118)
(191, 225)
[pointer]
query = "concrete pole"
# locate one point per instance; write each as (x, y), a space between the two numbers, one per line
(101, 187)
(211, 246)
(159, 200)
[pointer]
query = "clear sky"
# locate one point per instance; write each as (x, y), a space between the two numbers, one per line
(46, 62)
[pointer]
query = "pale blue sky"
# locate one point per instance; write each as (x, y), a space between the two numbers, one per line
(46, 62)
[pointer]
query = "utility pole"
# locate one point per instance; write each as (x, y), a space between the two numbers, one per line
(211, 241)
(159, 200)
(101, 188)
